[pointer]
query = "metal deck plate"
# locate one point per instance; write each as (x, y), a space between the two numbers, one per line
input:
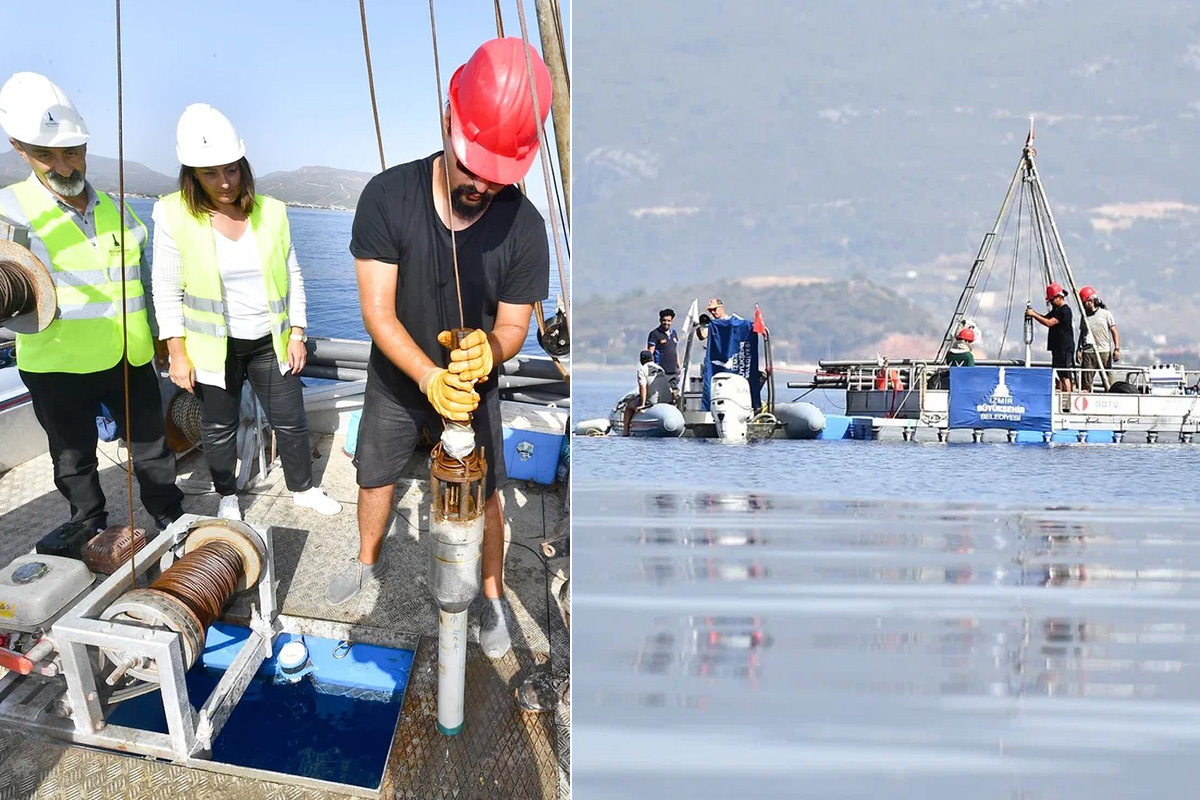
(501, 753)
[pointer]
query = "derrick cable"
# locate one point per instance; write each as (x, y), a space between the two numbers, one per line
(557, 174)
(558, 191)
(17, 295)
(437, 74)
(991, 261)
(1012, 278)
(562, 47)
(499, 19)
(362, 12)
(545, 159)
(1029, 265)
(124, 286)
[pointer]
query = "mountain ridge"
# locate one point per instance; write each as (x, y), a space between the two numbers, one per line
(309, 186)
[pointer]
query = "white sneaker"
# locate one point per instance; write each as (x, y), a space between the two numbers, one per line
(228, 508)
(316, 499)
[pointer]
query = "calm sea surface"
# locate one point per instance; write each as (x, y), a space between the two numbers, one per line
(879, 620)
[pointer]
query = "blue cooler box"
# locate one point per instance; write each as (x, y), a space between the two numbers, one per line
(351, 445)
(533, 440)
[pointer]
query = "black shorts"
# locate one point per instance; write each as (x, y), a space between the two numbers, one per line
(1062, 359)
(389, 432)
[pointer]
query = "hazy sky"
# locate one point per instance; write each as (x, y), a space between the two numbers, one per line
(290, 74)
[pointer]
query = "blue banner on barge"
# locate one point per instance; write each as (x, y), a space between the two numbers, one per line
(1014, 398)
(732, 347)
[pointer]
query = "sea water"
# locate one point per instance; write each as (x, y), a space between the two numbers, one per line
(882, 620)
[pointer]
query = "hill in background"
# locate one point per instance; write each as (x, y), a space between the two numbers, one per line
(855, 136)
(809, 319)
(322, 187)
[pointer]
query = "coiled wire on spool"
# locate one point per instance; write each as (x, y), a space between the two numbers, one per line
(17, 295)
(203, 580)
(28, 301)
(222, 558)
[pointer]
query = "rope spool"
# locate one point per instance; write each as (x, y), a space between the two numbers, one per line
(221, 557)
(28, 302)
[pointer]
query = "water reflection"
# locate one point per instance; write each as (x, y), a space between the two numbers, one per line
(713, 648)
(996, 646)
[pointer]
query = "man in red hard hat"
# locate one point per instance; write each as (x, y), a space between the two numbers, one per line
(1060, 340)
(401, 244)
(960, 354)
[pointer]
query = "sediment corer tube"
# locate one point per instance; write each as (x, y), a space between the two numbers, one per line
(456, 482)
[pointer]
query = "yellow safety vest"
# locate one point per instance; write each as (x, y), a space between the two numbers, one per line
(203, 299)
(86, 333)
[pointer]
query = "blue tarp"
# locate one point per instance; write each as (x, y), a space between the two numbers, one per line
(732, 347)
(1013, 398)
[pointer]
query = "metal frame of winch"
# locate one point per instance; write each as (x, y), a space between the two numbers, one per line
(80, 635)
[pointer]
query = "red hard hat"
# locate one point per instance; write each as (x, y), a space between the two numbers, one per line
(966, 334)
(1086, 293)
(1053, 291)
(492, 126)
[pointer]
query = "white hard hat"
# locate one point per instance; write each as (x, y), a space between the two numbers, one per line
(206, 138)
(35, 111)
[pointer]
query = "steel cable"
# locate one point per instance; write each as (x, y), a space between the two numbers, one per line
(17, 295)
(362, 11)
(203, 580)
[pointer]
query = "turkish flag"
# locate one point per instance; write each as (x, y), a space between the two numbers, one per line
(760, 325)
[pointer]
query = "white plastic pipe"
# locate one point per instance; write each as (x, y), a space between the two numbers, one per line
(452, 670)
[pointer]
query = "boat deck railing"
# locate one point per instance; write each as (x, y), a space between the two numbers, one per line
(915, 374)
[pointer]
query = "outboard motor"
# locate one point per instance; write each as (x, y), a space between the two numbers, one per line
(556, 338)
(731, 406)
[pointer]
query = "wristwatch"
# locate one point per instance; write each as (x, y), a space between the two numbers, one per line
(299, 337)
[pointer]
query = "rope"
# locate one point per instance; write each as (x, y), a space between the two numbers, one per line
(203, 580)
(17, 295)
(437, 74)
(124, 282)
(545, 159)
(362, 12)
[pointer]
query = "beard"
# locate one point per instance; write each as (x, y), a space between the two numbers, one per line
(464, 206)
(71, 186)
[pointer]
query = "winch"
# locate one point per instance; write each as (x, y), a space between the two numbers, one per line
(77, 644)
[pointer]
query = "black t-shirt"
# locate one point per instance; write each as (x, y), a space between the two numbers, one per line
(503, 257)
(1061, 337)
(665, 344)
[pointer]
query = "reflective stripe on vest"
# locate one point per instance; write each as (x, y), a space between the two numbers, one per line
(86, 335)
(204, 325)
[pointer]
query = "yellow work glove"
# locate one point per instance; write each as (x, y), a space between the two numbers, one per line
(450, 396)
(472, 359)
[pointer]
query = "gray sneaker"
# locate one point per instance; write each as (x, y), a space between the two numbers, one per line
(347, 583)
(493, 628)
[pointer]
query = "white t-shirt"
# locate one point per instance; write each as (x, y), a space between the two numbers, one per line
(1099, 325)
(244, 286)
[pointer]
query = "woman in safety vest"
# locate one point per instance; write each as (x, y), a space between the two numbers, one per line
(229, 300)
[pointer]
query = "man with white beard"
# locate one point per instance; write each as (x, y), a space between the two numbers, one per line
(78, 361)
